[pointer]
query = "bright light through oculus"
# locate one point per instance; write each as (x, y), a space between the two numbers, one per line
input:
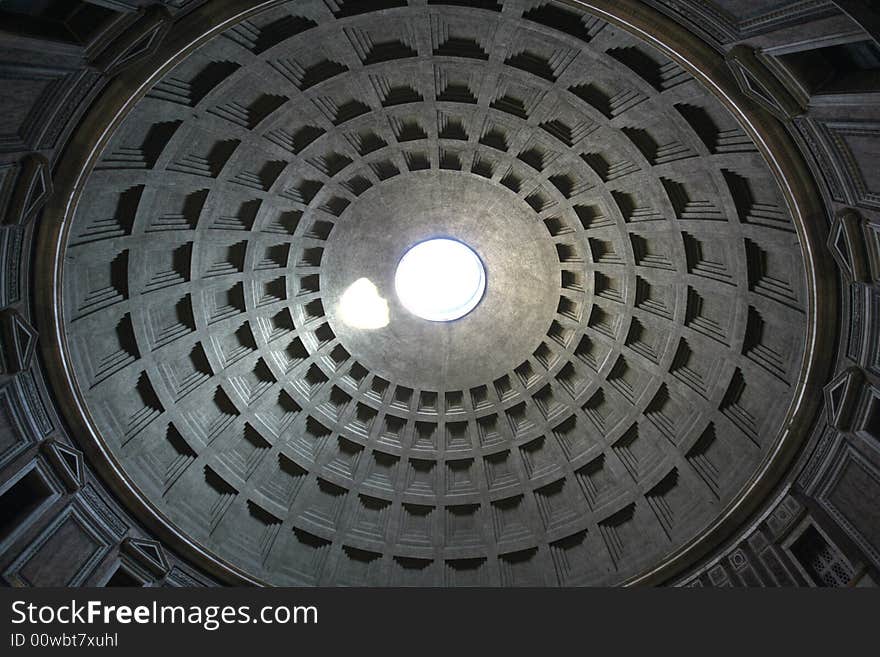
(440, 280)
(361, 306)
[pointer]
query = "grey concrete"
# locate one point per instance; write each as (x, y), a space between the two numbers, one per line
(628, 400)
(629, 373)
(523, 279)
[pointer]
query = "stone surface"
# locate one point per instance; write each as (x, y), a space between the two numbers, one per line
(578, 433)
(646, 292)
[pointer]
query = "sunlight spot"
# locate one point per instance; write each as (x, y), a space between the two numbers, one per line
(362, 307)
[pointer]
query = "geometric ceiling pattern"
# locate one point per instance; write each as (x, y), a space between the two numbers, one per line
(583, 434)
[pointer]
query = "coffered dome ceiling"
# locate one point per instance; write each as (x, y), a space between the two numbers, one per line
(626, 381)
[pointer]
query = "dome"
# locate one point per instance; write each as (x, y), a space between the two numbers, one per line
(265, 365)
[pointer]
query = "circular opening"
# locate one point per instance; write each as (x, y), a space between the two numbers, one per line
(440, 280)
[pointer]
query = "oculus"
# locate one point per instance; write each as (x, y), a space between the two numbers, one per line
(440, 280)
